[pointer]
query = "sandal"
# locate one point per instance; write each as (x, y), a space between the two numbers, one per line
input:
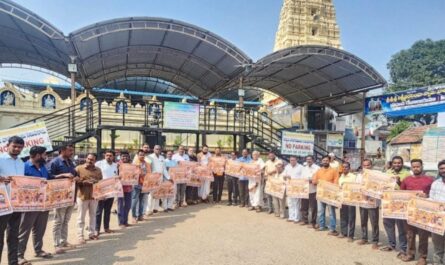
(24, 262)
(44, 255)
(387, 249)
(406, 258)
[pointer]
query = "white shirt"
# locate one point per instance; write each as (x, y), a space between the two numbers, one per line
(177, 157)
(259, 162)
(437, 192)
(204, 159)
(295, 172)
(10, 166)
(158, 165)
(308, 172)
(108, 171)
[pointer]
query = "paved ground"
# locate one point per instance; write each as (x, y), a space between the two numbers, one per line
(215, 234)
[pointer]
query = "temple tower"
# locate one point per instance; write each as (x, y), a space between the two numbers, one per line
(305, 22)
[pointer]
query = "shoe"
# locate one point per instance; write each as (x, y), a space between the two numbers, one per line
(289, 220)
(229, 204)
(141, 219)
(387, 249)
(149, 214)
(94, 238)
(258, 209)
(270, 212)
(23, 262)
(341, 236)
(350, 240)
(333, 233)
(362, 242)
(81, 241)
(109, 231)
(122, 226)
(375, 246)
(251, 208)
(155, 211)
(67, 245)
(127, 225)
(297, 222)
(313, 226)
(134, 221)
(321, 229)
(170, 209)
(304, 223)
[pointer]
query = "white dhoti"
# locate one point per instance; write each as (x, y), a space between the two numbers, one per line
(294, 209)
(256, 195)
(204, 190)
(152, 204)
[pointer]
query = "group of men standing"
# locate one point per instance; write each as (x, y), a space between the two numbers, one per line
(242, 191)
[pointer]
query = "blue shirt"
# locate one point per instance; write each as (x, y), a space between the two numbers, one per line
(60, 166)
(170, 163)
(244, 160)
(33, 171)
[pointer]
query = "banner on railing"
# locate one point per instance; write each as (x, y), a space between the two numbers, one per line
(34, 134)
(181, 116)
(298, 144)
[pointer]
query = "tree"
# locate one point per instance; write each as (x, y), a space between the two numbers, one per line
(420, 65)
(398, 128)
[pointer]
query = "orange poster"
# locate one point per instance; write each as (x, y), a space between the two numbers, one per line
(297, 188)
(275, 187)
(108, 188)
(59, 193)
(194, 181)
(5, 203)
(27, 194)
(252, 171)
(329, 193)
(179, 174)
(129, 174)
(166, 190)
(395, 203)
(203, 173)
(217, 164)
(234, 168)
(427, 215)
(152, 181)
(376, 182)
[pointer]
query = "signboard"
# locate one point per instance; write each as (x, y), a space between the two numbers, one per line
(182, 116)
(275, 188)
(129, 174)
(334, 140)
(27, 194)
(351, 193)
(416, 101)
(152, 181)
(34, 134)
(395, 203)
(59, 193)
(298, 144)
(427, 215)
(166, 190)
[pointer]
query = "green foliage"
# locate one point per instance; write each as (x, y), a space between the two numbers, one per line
(220, 143)
(398, 128)
(229, 141)
(421, 65)
(177, 142)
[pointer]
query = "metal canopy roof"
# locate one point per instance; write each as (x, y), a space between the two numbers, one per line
(129, 53)
(26, 38)
(192, 58)
(316, 74)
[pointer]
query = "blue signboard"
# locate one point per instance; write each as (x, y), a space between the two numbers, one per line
(416, 101)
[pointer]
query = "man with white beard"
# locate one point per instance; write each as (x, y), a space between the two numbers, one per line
(293, 170)
(203, 159)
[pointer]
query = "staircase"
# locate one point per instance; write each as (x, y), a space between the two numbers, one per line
(79, 122)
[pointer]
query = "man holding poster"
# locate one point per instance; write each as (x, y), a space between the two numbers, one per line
(437, 193)
(328, 174)
(109, 170)
(390, 224)
(309, 206)
(293, 170)
(11, 165)
(88, 174)
(62, 167)
(34, 221)
(418, 182)
(158, 166)
(180, 187)
(347, 212)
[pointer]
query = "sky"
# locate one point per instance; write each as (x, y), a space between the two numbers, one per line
(373, 30)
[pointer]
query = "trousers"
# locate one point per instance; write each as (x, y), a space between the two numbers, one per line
(180, 193)
(279, 207)
(309, 209)
(218, 186)
(84, 206)
(104, 206)
(294, 206)
(123, 208)
(390, 228)
(411, 232)
(373, 215)
(347, 220)
(35, 222)
(439, 248)
(232, 189)
(244, 192)
(62, 218)
(11, 224)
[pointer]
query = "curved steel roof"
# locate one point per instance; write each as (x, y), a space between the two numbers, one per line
(131, 52)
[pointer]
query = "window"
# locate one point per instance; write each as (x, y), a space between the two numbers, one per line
(48, 101)
(314, 31)
(314, 11)
(7, 98)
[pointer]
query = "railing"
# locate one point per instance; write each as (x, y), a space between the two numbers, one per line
(78, 122)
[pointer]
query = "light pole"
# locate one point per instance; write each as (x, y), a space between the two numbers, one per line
(72, 68)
